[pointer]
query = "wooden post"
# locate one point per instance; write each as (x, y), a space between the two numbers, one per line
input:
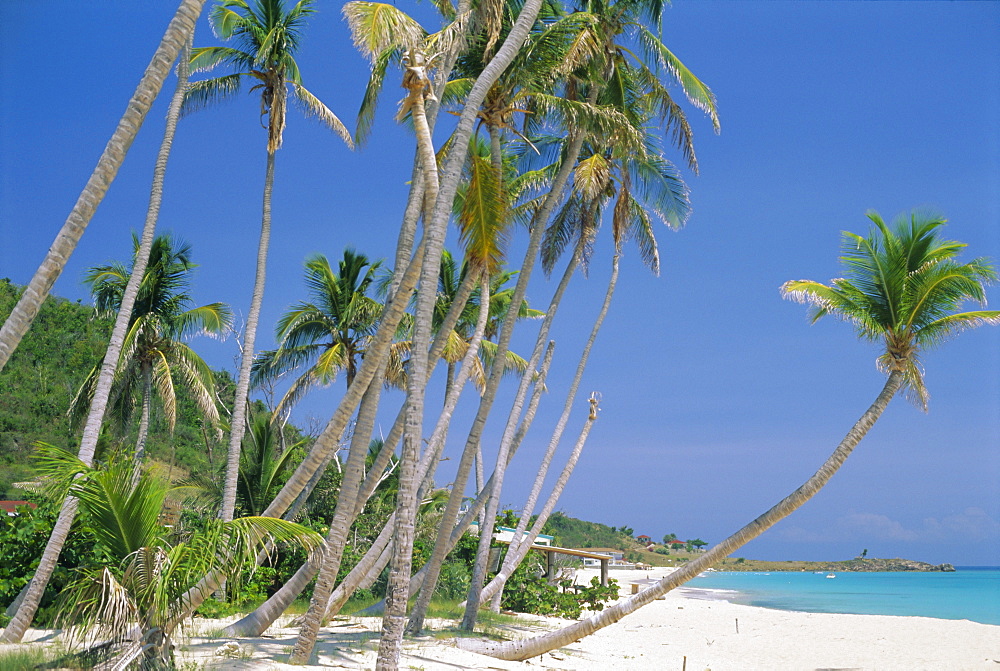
(604, 571)
(550, 565)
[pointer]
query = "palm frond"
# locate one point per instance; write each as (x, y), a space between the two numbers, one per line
(313, 106)
(208, 92)
(376, 27)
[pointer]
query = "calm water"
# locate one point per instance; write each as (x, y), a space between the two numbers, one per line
(971, 593)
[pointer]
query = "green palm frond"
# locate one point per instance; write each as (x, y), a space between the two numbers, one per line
(209, 92)
(214, 319)
(903, 288)
(658, 185)
(697, 93)
(273, 364)
(204, 59)
(366, 114)
(163, 382)
(225, 22)
(197, 378)
(482, 215)
(561, 232)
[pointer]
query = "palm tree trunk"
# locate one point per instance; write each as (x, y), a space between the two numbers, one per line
(259, 620)
(516, 553)
(343, 517)
(365, 572)
(237, 425)
(486, 529)
(397, 590)
(519, 545)
(183, 23)
(140, 441)
(177, 35)
(527, 648)
(416, 621)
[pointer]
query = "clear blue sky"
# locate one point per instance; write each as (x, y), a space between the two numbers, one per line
(718, 397)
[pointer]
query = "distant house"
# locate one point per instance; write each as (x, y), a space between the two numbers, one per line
(10, 507)
(506, 534)
(617, 557)
(643, 538)
(676, 545)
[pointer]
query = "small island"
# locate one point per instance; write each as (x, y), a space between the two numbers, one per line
(859, 564)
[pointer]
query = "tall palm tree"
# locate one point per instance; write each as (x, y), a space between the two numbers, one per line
(155, 357)
(903, 287)
(267, 37)
(330, 333)
(178, 33)
(102, 390)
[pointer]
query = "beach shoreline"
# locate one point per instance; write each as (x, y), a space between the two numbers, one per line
(681, 630)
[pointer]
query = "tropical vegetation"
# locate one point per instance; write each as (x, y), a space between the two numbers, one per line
(566, 121)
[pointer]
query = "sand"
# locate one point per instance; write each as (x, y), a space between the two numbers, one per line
(676, 633)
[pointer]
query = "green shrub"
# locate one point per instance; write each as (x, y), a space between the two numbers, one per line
(527, 592)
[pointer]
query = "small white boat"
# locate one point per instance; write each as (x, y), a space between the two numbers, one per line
(831, 575)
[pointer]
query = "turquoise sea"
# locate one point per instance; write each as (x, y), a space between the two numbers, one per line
(970, 593)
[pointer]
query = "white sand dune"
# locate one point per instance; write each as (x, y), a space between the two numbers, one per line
(675, 633)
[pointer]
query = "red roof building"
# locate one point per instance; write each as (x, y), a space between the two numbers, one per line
(9, 506)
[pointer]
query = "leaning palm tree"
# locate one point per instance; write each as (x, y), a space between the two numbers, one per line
(267, 36)
(178, 32)
(903, 290)
(155, 357)
(102, 389)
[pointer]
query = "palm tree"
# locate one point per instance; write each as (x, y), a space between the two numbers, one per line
(267, 36)
(134, 598)
(102, 390)
(903, 288)
(263, 464)
(154, 357)
(178, 33)
(327, 335)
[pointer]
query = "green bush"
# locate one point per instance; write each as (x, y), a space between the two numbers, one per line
(528, 592)
(22, 541)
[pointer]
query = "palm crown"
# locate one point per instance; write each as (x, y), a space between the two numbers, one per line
(904, 286)
(266, 38)
(161, 320)
(330, 333)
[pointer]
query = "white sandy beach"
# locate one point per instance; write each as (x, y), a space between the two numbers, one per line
(672, 634)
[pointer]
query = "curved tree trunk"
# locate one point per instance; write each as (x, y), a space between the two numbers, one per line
(433, 565)
(237, 423)
(140, 441)
(102, 391)
(327, 440)
(519, 544)
(343, 517)
(260, 619)
(527, 648)
(178, 33)
(486, 529)
(515, 555)
(366, 571)
(397, 590)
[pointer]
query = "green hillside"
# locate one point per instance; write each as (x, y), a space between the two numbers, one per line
(42, 377)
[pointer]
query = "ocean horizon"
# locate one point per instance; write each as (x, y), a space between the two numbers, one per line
(970, 593)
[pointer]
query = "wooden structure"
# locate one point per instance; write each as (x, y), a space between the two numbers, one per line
(550, 552)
